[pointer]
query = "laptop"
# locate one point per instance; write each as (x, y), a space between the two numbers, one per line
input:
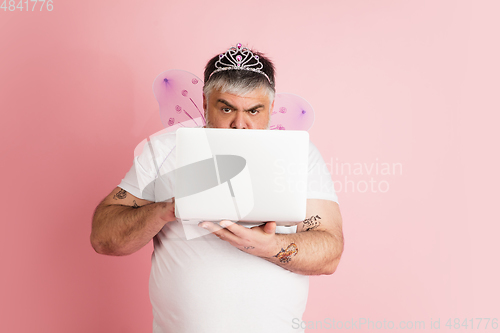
(246, 176)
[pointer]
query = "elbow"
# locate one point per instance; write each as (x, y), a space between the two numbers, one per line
(331, 267)
(105, 243)
(97, 239)
(105, 247)
(98, 245)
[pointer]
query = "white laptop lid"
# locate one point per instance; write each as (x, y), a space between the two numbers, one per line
(241, 175)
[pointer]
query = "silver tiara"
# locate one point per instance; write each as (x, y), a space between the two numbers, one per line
(239, 58)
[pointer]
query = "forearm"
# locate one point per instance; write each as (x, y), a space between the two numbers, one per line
(312, 252)
(122, 230)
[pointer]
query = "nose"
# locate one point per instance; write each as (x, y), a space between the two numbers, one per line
(239, 121)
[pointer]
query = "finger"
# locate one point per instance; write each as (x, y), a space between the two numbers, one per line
(235, 228)
(210, 226)
(270, 227)
(220, 232)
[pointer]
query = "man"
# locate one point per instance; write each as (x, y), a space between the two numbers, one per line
(234, 279)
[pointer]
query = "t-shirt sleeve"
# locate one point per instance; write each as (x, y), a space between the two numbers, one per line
(319, 180)
(140, 179)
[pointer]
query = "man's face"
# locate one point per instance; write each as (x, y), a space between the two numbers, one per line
(226, 110)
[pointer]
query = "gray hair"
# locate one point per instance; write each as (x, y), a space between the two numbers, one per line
(237, 87)
(238, 81)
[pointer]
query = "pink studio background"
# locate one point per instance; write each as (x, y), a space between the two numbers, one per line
(410, 83)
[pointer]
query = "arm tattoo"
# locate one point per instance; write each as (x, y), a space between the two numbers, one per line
(135, 205)
(312, 223)
(249, 247)
(285, 256)
(121, 194)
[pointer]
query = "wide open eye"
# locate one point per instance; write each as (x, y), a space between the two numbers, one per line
(253, 111)
(226, 110)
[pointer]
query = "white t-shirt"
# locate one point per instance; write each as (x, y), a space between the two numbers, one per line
(205, 284)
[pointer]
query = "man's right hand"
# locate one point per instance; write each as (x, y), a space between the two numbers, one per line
(169, 211)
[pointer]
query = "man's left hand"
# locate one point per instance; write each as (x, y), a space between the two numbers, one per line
(260, 241)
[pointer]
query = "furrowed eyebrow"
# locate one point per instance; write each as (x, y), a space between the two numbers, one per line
(255, 107)
(223, 101)
(258, 106)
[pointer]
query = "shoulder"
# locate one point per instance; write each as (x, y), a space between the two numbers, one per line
(312, 148)
(152, 152)
(314, 155)
(159, 144)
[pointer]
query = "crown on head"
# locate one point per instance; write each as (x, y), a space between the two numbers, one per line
(239, 58)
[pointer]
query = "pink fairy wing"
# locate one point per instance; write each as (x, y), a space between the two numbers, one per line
(291, 112)
(179, 94)
(180, 97)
